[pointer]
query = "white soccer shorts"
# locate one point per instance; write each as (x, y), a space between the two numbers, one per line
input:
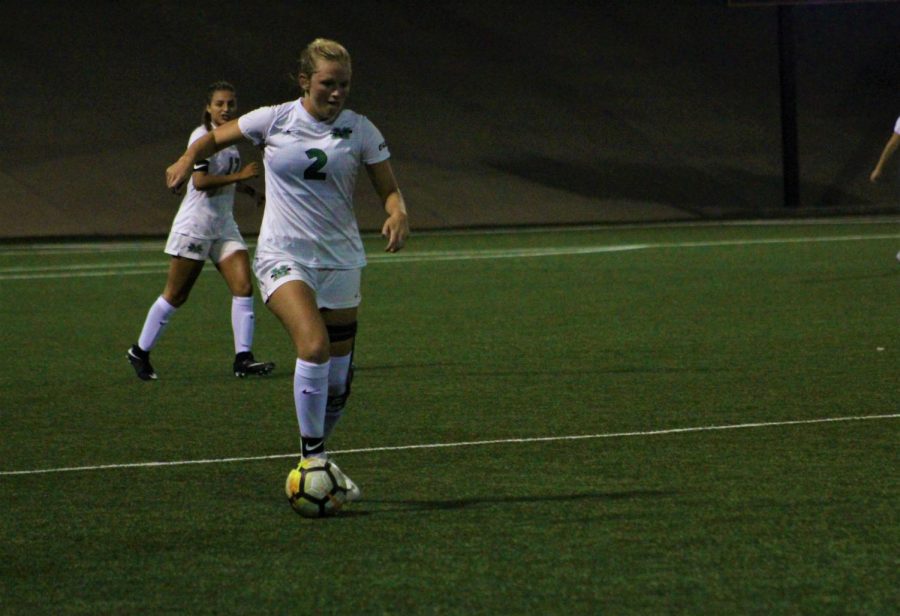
(334, 288)
(199, 249)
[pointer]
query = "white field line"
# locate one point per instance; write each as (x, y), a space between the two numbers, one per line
(674, 224)
(156, 245)
(13, 269)
(506, 441)
(28, 272)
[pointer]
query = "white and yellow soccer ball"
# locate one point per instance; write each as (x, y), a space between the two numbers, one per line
(316, 488)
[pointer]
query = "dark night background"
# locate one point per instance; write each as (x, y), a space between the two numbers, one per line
(496, 112)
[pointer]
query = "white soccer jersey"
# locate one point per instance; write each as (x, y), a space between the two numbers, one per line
(897, 126)
(311, 169)
(206, 215)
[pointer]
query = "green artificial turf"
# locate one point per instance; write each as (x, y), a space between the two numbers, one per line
(694, 364)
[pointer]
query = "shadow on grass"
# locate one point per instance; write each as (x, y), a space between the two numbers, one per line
(419, 505)
(459, 368)
(289, 373)
(428, 368)
(623, 369)
(410, 366)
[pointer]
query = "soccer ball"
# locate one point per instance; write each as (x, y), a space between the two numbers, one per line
(316, 488)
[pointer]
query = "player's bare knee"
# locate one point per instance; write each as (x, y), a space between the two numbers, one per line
(314, 351)
(242, 289)
(176, 298)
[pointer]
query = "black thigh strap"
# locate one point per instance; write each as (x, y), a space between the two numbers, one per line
(339, 333)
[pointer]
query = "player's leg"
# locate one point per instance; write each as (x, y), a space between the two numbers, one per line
(341, 326)
(234, 266)
(293, 302)
(291, 293)
(183, 273)
(339, 298)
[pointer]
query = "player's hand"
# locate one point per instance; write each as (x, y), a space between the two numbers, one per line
(249, 171)
(396, 230)
(875, 176)
(178, 173)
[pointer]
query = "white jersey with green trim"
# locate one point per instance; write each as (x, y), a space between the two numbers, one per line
(311, 170)
(206, 214)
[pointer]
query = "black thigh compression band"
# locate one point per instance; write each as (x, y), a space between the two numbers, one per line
(339, 333)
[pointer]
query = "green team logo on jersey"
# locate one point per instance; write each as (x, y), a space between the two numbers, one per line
(341, 133)
(280, 271)
(198, 248)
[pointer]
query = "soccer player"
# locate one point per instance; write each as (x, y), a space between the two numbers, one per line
(309, 254)
(204, 228)
(887, 153)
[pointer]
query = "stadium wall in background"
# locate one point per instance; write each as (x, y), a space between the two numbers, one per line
(497, 113)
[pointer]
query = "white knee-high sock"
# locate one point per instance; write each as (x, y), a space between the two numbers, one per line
(157, 318)
(337, 385)
(242, 322)
(310, 397)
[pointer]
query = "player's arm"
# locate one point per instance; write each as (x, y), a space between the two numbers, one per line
(204, 181)
(889, 148)
(204, 147)
(396, 227)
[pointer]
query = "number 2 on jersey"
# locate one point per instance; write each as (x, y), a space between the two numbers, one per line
(319, 159)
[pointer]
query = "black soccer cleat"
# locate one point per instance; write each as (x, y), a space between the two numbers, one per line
(245, 364)
(140, 361)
